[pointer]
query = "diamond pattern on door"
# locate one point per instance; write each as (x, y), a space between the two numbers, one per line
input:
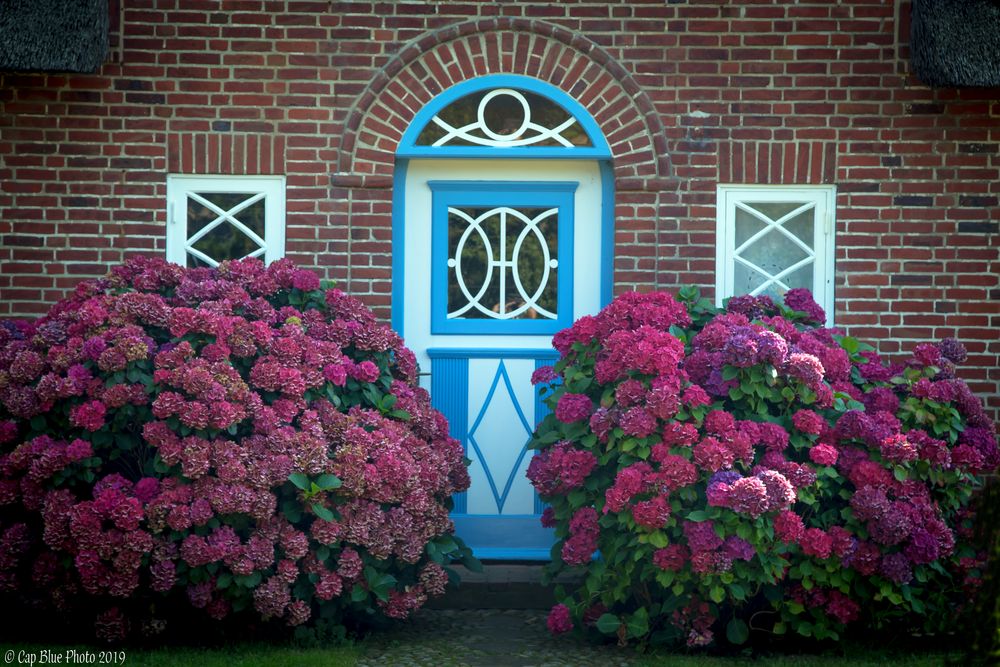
(498, 436)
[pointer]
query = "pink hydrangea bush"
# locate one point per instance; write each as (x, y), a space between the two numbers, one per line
(237, 437)
(705, 466)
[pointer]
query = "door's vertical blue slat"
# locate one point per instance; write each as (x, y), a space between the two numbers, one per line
(450, 395)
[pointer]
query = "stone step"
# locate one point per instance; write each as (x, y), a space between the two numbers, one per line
(501, 585)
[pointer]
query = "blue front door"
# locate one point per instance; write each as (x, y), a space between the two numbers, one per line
(502, 236)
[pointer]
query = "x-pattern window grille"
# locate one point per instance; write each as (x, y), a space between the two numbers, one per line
(775, 238)
(775, 255)
(213, 219)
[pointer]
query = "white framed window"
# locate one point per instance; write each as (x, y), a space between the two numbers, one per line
(214, 218)
(771, 239)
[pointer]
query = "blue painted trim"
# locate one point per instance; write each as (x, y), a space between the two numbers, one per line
(503, 553)
(500, 498)
(607, 232)
(512, 536)
(398, 244)
(492, 353)
(450, 395)
(487, 153)
(598, 151)
(540, 194)
(487, 188)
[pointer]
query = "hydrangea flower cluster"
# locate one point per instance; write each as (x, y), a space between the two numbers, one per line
(239, 438)
(715, 461)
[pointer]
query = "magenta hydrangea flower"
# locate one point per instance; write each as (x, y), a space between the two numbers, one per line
(579, 547)
(823, 454)
(89, 416)
(543, 375)
(573, 407)
(671, 558)
(896, 568)
(805, 368)
(815, 542)
(560, 469)
(701, 536)
(748, 495)
(675, 472)
(638, 422)
(953, 350)
(559, 620)
(927, 354)
(753, 307)
(809, 422)
(630, 481)
(736, 548)
(841, 607)
(801, 299)
(305, 280)
(652, 513)
(772, 436)
(780, 492)
(713, 455)
(788, 527)
(898, 449)
(694, 396)
(881, 399)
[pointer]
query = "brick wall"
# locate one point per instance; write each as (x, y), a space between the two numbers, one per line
(688, 94)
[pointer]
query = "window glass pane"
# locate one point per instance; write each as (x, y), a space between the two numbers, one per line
(775, 250)
(747, 225)
(198, 215)
(746, 280)
(501, 117)
(502, 263)
(764, 266)
(802, 227)
(252, 215)
(801, 277)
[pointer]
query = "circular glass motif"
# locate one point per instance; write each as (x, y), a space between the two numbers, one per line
(499, 110)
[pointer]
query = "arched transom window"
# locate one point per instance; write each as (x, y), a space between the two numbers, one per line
(504, 116)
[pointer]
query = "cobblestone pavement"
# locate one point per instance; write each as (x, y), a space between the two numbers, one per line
(485, 638)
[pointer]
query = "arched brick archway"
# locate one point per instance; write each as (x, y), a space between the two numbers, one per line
(439, 59)
(645, 185)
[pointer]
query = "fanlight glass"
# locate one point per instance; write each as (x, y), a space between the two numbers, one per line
(504, 118)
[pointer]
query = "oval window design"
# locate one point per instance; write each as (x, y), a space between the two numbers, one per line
(504, 262)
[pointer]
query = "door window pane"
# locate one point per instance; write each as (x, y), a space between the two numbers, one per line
(503, 263)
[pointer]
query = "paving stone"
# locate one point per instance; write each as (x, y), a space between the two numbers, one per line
(486, 638)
